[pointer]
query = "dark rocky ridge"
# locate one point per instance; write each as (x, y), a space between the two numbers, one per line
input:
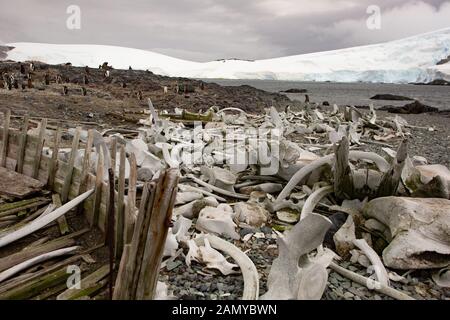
(123, 89)
(390, 97)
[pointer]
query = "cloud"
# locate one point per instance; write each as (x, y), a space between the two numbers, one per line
(204, 30)
(398, 22)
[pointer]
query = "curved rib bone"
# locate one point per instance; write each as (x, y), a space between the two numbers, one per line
(218, 190)
(389, 291)
(380, 270)
(26, 264)
(303, 172)
(249, 272)
(45, 220)
(314, 199)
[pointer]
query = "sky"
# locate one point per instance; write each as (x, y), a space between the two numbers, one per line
(205, 30)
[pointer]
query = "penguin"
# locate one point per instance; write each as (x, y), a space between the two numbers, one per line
(46, 79)
(22, 68)
(65, 90)
(83, 91)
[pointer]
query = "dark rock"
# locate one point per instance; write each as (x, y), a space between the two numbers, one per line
(338, 219)
(295, 91)
(325, 103)
(390, 97)
(266, 230)
(437, 82)
(244, 231)
(413, 108)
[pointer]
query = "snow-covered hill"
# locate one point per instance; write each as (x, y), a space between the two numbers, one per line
(412, 59)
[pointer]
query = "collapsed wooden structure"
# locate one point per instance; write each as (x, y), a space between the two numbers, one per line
(22, 152)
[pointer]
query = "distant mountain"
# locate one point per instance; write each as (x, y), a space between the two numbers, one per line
(413, 59)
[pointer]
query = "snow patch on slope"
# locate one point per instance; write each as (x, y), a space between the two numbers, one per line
(412, 59)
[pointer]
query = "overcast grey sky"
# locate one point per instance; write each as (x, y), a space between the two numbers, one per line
(203, 30)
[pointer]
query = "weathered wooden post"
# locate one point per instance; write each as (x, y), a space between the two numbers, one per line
(139, 268)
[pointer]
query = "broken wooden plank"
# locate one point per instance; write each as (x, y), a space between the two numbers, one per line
(22, 144)
(159, 225)
(86, 166)
(143, 256)
(62, 221)
(38, 151)
(130, 213)
(98, 189)
(19, 284)
(69, 172)
(343, 180)
(15, 207)
(18, 185)
(88, 286)
(42, 222)
(4, 153)
(120, 219)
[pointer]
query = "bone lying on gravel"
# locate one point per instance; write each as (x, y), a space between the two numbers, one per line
(248, 269)
(293, 274)
(217, 220)
(420, 229)
(212, 258)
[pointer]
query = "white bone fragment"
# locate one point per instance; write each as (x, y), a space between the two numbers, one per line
(217, 221)
(374, 285)
(171, 244)
(293, 274)
(185, 197)
(380, 270)
(181, 228)
(314, 199)
(344, 237)
(302, 173)
(190, 210)
(251, 214)
(248, 269)
(264, 187)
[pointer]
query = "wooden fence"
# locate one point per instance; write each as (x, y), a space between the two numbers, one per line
(23, 152)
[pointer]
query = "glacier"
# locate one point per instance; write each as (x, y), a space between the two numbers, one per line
(413, 59)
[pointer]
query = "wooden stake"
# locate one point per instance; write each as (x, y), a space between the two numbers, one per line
(120, 240)
(22, 144)
(98, 188)
(86, 166)
(343, 181)
(110, 232)
(157, 233)
(39, 146)
(62, 221)
(130, 215)
(5, 138)
(141, 260)
(54, 161)
(70, 165)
